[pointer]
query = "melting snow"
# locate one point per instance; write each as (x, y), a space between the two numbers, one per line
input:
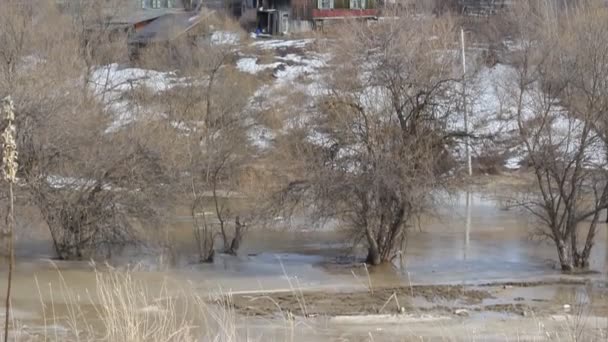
(110, 82)
(304, 66)
(114, 78)
(225, 38)
(250, 65)
(261, 137)
(60, 182)
(279, 44)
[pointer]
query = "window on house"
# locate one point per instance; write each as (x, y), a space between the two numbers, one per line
(326, 4)
(156, 3)
(357, 4)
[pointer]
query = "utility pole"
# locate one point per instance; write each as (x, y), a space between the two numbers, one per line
(469, 198)
(464, 105)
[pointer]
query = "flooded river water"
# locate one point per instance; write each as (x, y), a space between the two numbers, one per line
(491, 246)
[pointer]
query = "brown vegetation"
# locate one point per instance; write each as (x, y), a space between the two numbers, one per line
(377, 149)
(562, 126)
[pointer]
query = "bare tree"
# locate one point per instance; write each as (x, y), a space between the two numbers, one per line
(560, 103)
(376, 151)
(211, 117)
(89, 184)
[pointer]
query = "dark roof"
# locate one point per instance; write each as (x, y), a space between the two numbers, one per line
(166, 27)
(140, 15)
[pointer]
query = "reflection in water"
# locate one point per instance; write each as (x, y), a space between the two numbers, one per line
(482, 245)
(470, 241)
(467, 224)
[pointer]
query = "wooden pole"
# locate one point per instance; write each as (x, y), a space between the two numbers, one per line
(464, 105)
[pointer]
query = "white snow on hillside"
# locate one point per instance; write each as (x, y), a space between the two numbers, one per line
(297, 66)
(295, 76)
(492, 118)
(299, 81)
(261, 137)
(280, 43)
(61, 182)
(288, 67)
(117, 79)
(112, 82)
(250, 65)
(225, 38)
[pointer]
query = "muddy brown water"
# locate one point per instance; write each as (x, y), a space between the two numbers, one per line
(449, 264)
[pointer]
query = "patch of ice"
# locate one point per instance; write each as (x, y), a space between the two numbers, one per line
(387, 319)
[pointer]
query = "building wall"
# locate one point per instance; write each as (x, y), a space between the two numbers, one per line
(303, 9)
(297, 26)
(161, 3)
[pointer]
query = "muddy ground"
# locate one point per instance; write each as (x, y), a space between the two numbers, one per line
(513, 298)
(376, 301)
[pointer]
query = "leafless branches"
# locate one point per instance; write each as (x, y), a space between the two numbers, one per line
(560, 105)
(377, 149)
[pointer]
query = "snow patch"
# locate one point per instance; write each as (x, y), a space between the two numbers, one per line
(261, 137)
(305, 66)
(61, 182)
(281, 44)
(225, 38)
(111, 82)
(114, 78)
(250, 65)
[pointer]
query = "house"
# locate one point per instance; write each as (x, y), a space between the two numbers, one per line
(283, 16)
(165, 28)
(481, 7)
(155, 4)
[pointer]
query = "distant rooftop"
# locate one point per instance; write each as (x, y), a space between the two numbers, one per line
(167, 27)
(139, 15)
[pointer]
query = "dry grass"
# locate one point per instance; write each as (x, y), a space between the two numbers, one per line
(122, 307)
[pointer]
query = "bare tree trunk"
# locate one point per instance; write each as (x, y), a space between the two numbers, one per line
(220, 218)
(238, 237)
(564, 253)
(373, 252)
(581, 260)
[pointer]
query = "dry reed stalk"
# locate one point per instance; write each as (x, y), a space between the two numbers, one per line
(9, 174)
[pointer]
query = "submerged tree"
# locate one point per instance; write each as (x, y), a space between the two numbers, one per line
(89, 184)
(376, 151)
(210, 117)
(560, 99)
